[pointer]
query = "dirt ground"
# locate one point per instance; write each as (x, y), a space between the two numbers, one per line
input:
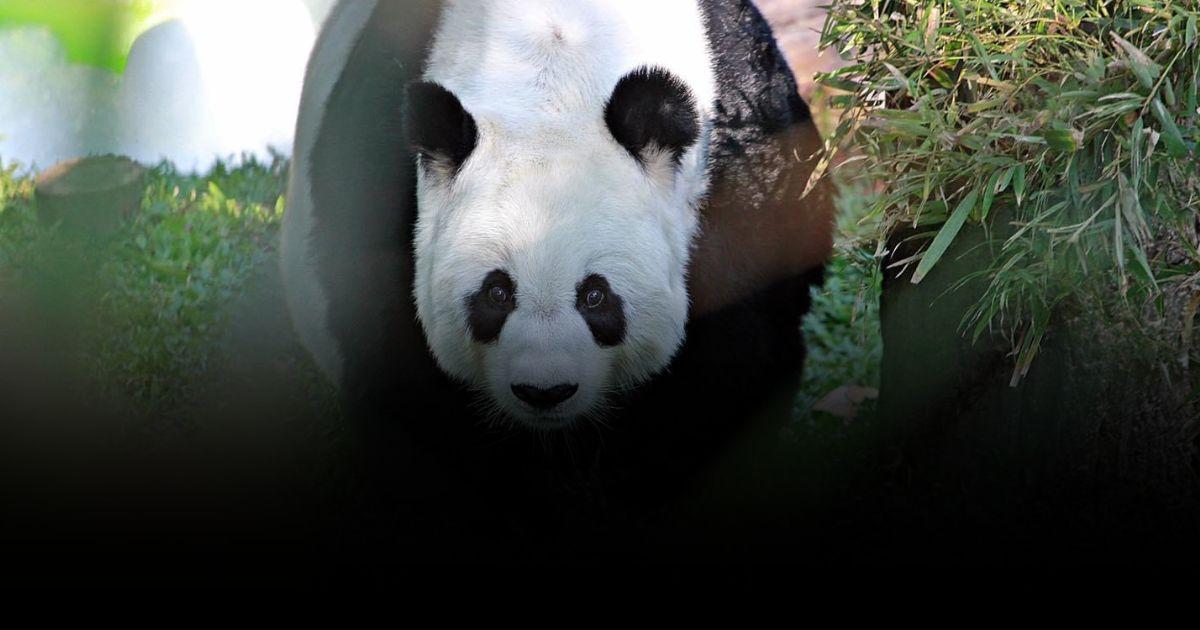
(797, 25)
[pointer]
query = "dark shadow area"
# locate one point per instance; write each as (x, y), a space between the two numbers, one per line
(260, 482)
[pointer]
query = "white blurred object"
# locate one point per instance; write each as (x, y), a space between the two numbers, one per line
(220, 81)
(50, 109)
(320, 10)
(162, 102)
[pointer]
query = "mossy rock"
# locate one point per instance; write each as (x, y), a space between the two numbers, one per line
(1097, 446)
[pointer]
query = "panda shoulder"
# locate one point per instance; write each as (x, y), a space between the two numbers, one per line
(350, 191)
(758, 227)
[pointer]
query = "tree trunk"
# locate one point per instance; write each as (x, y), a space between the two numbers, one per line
(91, 196)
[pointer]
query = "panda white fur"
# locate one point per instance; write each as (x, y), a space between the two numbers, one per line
(547, 208)
(548, 211)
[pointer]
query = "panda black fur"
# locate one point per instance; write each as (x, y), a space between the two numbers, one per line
(349, 265)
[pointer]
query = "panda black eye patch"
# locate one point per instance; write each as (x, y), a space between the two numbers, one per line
(602, 309)
(488, 308)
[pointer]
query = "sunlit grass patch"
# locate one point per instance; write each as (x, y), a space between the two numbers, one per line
(186, 256)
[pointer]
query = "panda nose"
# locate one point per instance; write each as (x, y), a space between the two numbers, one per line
(545, 397)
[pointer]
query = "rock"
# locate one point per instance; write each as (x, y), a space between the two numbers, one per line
(1091, 449)
(91, 196)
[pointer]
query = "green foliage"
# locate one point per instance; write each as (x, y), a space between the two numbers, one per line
(1067, 128)
(189, 252)
(18, 223)
(841, 332)
(147, 303)
(96, 32)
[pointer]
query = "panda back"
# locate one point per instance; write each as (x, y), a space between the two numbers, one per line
(347, 254)
(307, 299)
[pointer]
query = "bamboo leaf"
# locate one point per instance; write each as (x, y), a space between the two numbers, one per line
(1005, 179)
(945, 237)
(901, 80)
(1018, 182)
(1081, 117)
(1135, 152)
(975, 42)
(1061, 139)
(1119, 244)
(989, 193)
(1143, 265)
(839, 84)
(1143, 67)
(981, 106)
(1170, 133)
(1120, 96)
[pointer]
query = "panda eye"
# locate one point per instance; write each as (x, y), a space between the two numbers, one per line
(498, 294)
(602, 309)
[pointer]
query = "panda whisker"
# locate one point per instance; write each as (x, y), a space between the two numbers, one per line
(494, 421)
(599, 426)
(598, 420)
(489, 414)
(600, 414)
(543, 436)
(483, 406)
(569, 443)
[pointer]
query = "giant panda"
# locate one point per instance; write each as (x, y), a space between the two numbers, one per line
(556, 251)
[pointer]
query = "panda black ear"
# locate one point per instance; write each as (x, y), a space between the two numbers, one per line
(438, 126)
(652, 109)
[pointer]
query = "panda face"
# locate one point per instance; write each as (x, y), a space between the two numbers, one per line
(551, 255)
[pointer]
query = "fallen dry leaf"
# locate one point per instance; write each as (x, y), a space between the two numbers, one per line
(844, 401)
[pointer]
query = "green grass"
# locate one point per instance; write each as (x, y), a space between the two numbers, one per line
(148, 305)
(144, 307)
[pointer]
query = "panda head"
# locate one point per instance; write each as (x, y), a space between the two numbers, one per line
(552, 245)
